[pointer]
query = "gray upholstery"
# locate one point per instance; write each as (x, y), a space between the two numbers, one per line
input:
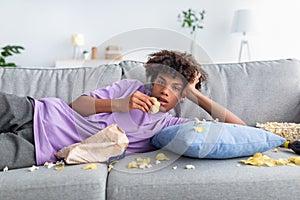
(211, 179)
(256, 91)
(66, 84)
(45, 184)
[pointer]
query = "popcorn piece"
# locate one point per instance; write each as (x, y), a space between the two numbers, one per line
(155, 108)
(189, 167)
(276, 150)
(175, 167)
(90, 166)
(144, 165)
(199, 129)
(33, 168)
(49, 165)
(161, 156)
(5, 169)
(157, 162)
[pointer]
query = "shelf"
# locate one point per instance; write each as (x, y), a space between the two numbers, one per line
(71, 63)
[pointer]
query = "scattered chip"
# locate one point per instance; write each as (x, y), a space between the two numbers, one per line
(59, 168)
(155, 108)
(295, 160)
(90, 166)
(199, 129)
(161, 156)
(262, 160)
(133, 164)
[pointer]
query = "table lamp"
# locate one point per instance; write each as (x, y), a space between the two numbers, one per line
(242, 23)
(77, 42)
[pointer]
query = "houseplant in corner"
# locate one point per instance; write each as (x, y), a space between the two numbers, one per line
(9, 51)
(192, 20)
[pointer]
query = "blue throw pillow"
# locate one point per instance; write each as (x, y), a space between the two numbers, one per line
(215, 140)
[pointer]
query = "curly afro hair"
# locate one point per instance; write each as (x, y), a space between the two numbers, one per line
(172, 62)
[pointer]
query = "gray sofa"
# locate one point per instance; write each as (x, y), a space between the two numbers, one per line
(256, 91)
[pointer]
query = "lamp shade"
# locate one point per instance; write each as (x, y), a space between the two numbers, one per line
(242, 21)
(77, 39)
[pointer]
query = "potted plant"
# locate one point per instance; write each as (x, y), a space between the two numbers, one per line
(9, 51)
(192, 20)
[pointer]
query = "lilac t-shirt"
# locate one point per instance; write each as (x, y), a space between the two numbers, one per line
(56, 125)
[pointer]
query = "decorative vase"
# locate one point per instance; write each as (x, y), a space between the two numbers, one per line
(193, 44)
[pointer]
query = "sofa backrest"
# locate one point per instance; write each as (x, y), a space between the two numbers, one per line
(258, 91)
(66, 84)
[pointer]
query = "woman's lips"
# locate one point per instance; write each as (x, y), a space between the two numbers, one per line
(162, 101)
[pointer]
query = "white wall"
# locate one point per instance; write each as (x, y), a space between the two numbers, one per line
(44, 28)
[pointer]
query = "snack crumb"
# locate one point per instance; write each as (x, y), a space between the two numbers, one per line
(90, 166)
(189, 167)
(33, 168)
(5, 169)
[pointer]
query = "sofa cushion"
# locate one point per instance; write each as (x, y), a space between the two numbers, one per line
(259, 91)
(211, 179)
(70, 183)
(215, 140)
(66, 84)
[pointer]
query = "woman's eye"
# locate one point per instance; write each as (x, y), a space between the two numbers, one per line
(160, 82)
(175, 88)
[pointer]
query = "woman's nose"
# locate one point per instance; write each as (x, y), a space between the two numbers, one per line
(165, 91)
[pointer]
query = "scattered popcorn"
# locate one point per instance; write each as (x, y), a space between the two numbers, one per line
(49, 165)
(161, 156)
(157, 162)
(199, 129)
(189, 167)
(262, 160)
(5, 169)
(145, 165)
(175, 167)
(33, 168)
(155, 108)
(238, 165)
(90, 166)
(289, 131)
(276, 150)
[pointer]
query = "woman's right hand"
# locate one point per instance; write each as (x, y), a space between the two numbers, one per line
(137, 100)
